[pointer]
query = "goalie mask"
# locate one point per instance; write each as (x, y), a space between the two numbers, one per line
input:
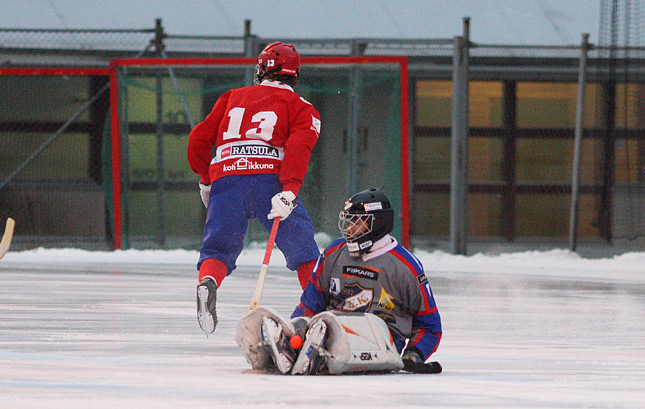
(280, 61)
(366, 218)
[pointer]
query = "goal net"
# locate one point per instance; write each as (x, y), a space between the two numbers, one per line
(363, 142)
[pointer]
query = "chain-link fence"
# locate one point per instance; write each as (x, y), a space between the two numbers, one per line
(56, 157)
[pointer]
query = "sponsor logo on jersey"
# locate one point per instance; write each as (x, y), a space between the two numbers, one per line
(385, 301)
(357, 298)
(247, 149)
(422, 279)
(334, 286)
(251, 150)
(365, 272)
(245, 164)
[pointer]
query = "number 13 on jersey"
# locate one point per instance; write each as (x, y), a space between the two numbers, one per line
(266, 121)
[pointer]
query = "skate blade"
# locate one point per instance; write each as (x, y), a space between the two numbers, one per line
(269, 329)
(206, 321)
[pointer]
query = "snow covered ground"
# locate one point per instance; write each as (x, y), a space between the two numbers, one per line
(87, 330)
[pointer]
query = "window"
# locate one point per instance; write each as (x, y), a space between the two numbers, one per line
(553, 105)
(630, 106)
(434, 103)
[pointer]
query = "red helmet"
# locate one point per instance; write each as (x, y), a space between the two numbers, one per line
(278, 58)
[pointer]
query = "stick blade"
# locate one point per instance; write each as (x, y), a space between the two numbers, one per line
(7, 237)
(257, 295)
(252, 305)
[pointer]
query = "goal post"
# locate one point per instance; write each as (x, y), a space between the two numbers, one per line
(363, 102)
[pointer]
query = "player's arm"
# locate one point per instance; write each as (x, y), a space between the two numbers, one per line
(303, 135)
(426, 322)
(312, 300)
(203, 137)
(426, 325)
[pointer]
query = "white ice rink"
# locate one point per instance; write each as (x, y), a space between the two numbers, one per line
(118, 330)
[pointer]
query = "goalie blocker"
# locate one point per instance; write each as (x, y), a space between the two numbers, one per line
(354, 343)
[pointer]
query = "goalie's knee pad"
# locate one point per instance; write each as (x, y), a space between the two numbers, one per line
(358, 342)
(249, 337)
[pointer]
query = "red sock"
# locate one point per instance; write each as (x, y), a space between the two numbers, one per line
(214, 269)
(304, 272)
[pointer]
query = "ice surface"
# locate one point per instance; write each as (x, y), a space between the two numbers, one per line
(90, 330)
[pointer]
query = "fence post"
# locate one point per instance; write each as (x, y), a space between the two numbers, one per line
(577, 144)
(161, 180)
(459, 144)
(353, 121)
(249, 52)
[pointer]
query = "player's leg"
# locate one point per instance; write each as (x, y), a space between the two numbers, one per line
(226, 224)
(295, 237)
(304, 272)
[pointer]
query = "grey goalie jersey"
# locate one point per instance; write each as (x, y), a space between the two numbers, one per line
(389, 283)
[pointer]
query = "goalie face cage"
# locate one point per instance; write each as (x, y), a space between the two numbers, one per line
(363, 102)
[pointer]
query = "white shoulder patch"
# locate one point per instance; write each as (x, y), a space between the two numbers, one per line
(315, 124)
(305, 101)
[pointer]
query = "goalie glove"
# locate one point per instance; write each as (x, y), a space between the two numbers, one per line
(413, 362)
(282, 204)
(205, 193)
(300, 325)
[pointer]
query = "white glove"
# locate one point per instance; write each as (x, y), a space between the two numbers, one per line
(282, 204)
(205, 193)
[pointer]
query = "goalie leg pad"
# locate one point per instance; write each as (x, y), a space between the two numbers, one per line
(248, 336)
(358, 342)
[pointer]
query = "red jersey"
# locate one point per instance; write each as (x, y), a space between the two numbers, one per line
(265, 128)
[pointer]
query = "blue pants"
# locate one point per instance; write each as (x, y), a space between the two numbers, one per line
(236, 199)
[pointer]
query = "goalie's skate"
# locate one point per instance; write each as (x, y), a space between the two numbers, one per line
(311, 357)
(279, 348)
(206, 312)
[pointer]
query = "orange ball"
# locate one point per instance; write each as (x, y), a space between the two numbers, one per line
(296, 342)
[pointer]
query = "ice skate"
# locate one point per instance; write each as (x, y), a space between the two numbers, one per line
(206, 312)
(278, 343)
(311, 357)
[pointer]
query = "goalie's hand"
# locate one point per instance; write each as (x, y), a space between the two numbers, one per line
(413, 362)
(205, 193)
(282, 204)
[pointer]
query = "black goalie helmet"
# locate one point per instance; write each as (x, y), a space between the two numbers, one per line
(366, 218)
